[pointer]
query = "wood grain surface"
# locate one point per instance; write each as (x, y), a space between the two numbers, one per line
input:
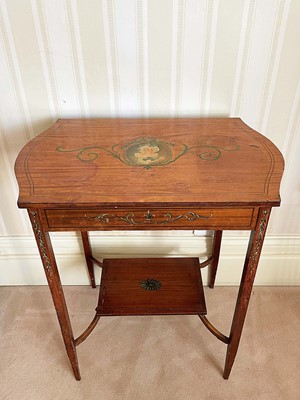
(104, 162)
(179, 289)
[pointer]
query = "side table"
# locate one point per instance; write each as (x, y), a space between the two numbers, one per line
(150, 174)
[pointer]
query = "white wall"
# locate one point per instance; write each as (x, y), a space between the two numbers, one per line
(89, 58)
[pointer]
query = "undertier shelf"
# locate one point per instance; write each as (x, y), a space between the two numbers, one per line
(151, 286)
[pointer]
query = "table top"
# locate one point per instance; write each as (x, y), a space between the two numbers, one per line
(178, 161)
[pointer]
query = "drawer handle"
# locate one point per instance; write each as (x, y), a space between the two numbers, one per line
(130, 218)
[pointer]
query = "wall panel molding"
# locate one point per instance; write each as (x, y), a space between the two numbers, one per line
(20, 263)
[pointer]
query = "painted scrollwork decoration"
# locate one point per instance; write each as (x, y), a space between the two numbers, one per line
(149, 218)
(258, 242)
(149, 152)
(40, 241)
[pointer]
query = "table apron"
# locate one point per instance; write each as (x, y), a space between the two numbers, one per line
(243, 218)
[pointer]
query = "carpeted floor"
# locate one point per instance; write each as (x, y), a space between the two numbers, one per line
(145, 358)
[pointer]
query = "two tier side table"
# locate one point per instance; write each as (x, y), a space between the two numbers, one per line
(150, 174)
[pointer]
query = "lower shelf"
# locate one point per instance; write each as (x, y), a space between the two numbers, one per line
(151, 286)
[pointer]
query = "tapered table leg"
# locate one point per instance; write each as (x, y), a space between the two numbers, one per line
(250, 267)
(88, 255)
(216, 255)
(46, 252)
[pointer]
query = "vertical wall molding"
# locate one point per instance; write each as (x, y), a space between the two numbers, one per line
(11, 54)
(78, 64)
(142, 56)
(46, 58)
(211, 44)
(273, 64)
(243, 56)
(177, 56)
(111, 56)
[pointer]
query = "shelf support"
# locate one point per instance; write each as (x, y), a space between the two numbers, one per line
(214, 330)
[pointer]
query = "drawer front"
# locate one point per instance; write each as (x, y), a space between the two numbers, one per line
(204, 218)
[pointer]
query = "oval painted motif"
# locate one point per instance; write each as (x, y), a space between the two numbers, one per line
(148, 152)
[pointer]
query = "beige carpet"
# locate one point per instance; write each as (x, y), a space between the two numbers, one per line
(164, 358)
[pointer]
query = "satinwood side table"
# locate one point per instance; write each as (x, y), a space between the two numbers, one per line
(150, 174)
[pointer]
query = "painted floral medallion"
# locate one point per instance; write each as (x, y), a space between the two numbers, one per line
(148, 152)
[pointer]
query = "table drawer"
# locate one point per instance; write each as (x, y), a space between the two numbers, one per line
(204, 218)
